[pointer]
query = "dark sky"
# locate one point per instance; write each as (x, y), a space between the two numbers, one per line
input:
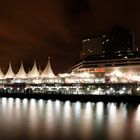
(32, 29)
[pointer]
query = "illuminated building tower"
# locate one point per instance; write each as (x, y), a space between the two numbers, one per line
(117, 43)
(92, 46)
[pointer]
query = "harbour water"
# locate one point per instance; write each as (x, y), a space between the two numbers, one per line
(46, 119)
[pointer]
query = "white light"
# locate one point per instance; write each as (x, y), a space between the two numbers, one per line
(112, 111)
(57, 105)
(77, 109)
(17, 102)
(88, 109)
(67, 109)
(96, 92)
(25, 102)
(99, 89)
(49, 106)
(36, 81)
(41, 103)
(99, 111)
(117, 73)
(11, 101)
(111, 88)
(114, 79)
(67, 104)
(32, 102)
(138, 89)
(121, 91)
(138, 113)
(123, 88)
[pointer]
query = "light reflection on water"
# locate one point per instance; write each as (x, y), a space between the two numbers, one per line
(46, 119)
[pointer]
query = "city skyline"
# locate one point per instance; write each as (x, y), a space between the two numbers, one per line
(69, 69)
(35, 30)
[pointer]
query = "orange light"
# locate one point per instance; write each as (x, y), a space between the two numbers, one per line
(96, 70)
(99, 70)
(102, 69)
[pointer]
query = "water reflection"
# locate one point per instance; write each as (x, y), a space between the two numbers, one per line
(46, 119)
(77, 110)
(88, 125)
(116, 121)
(99, 112)
(138, 113)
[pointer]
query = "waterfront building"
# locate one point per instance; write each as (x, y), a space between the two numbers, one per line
(1, 74)
(10, 74)
(32, 77)
(118, 67)
(48, 75)
(83, 80)
(47, 72)
(99, 72)
(34, 73)
(118, 62)
(21, 73)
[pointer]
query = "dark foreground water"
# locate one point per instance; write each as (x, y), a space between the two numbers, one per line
(45, 119)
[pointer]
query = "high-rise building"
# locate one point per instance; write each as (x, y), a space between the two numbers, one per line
(119, 39)
(92, 46)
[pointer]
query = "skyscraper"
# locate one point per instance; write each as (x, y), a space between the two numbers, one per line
(119, 39)
(92, 46)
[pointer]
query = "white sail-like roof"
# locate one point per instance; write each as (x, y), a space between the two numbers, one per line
(10, 73)
(1, 74)
(21, 73)
(40, 71)
(48, 73)
(34, 73)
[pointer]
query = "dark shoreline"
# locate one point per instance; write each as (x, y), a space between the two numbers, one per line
(73, 98)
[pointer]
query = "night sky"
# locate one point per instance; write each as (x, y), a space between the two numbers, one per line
(32, 29)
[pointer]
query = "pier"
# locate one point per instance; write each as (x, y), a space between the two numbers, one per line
(72, 88)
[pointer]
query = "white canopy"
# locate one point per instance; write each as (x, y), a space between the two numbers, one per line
(48, 73)
(10, 73)
(34, 73)
(1, 74)
(40, 71)
(21, 73)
